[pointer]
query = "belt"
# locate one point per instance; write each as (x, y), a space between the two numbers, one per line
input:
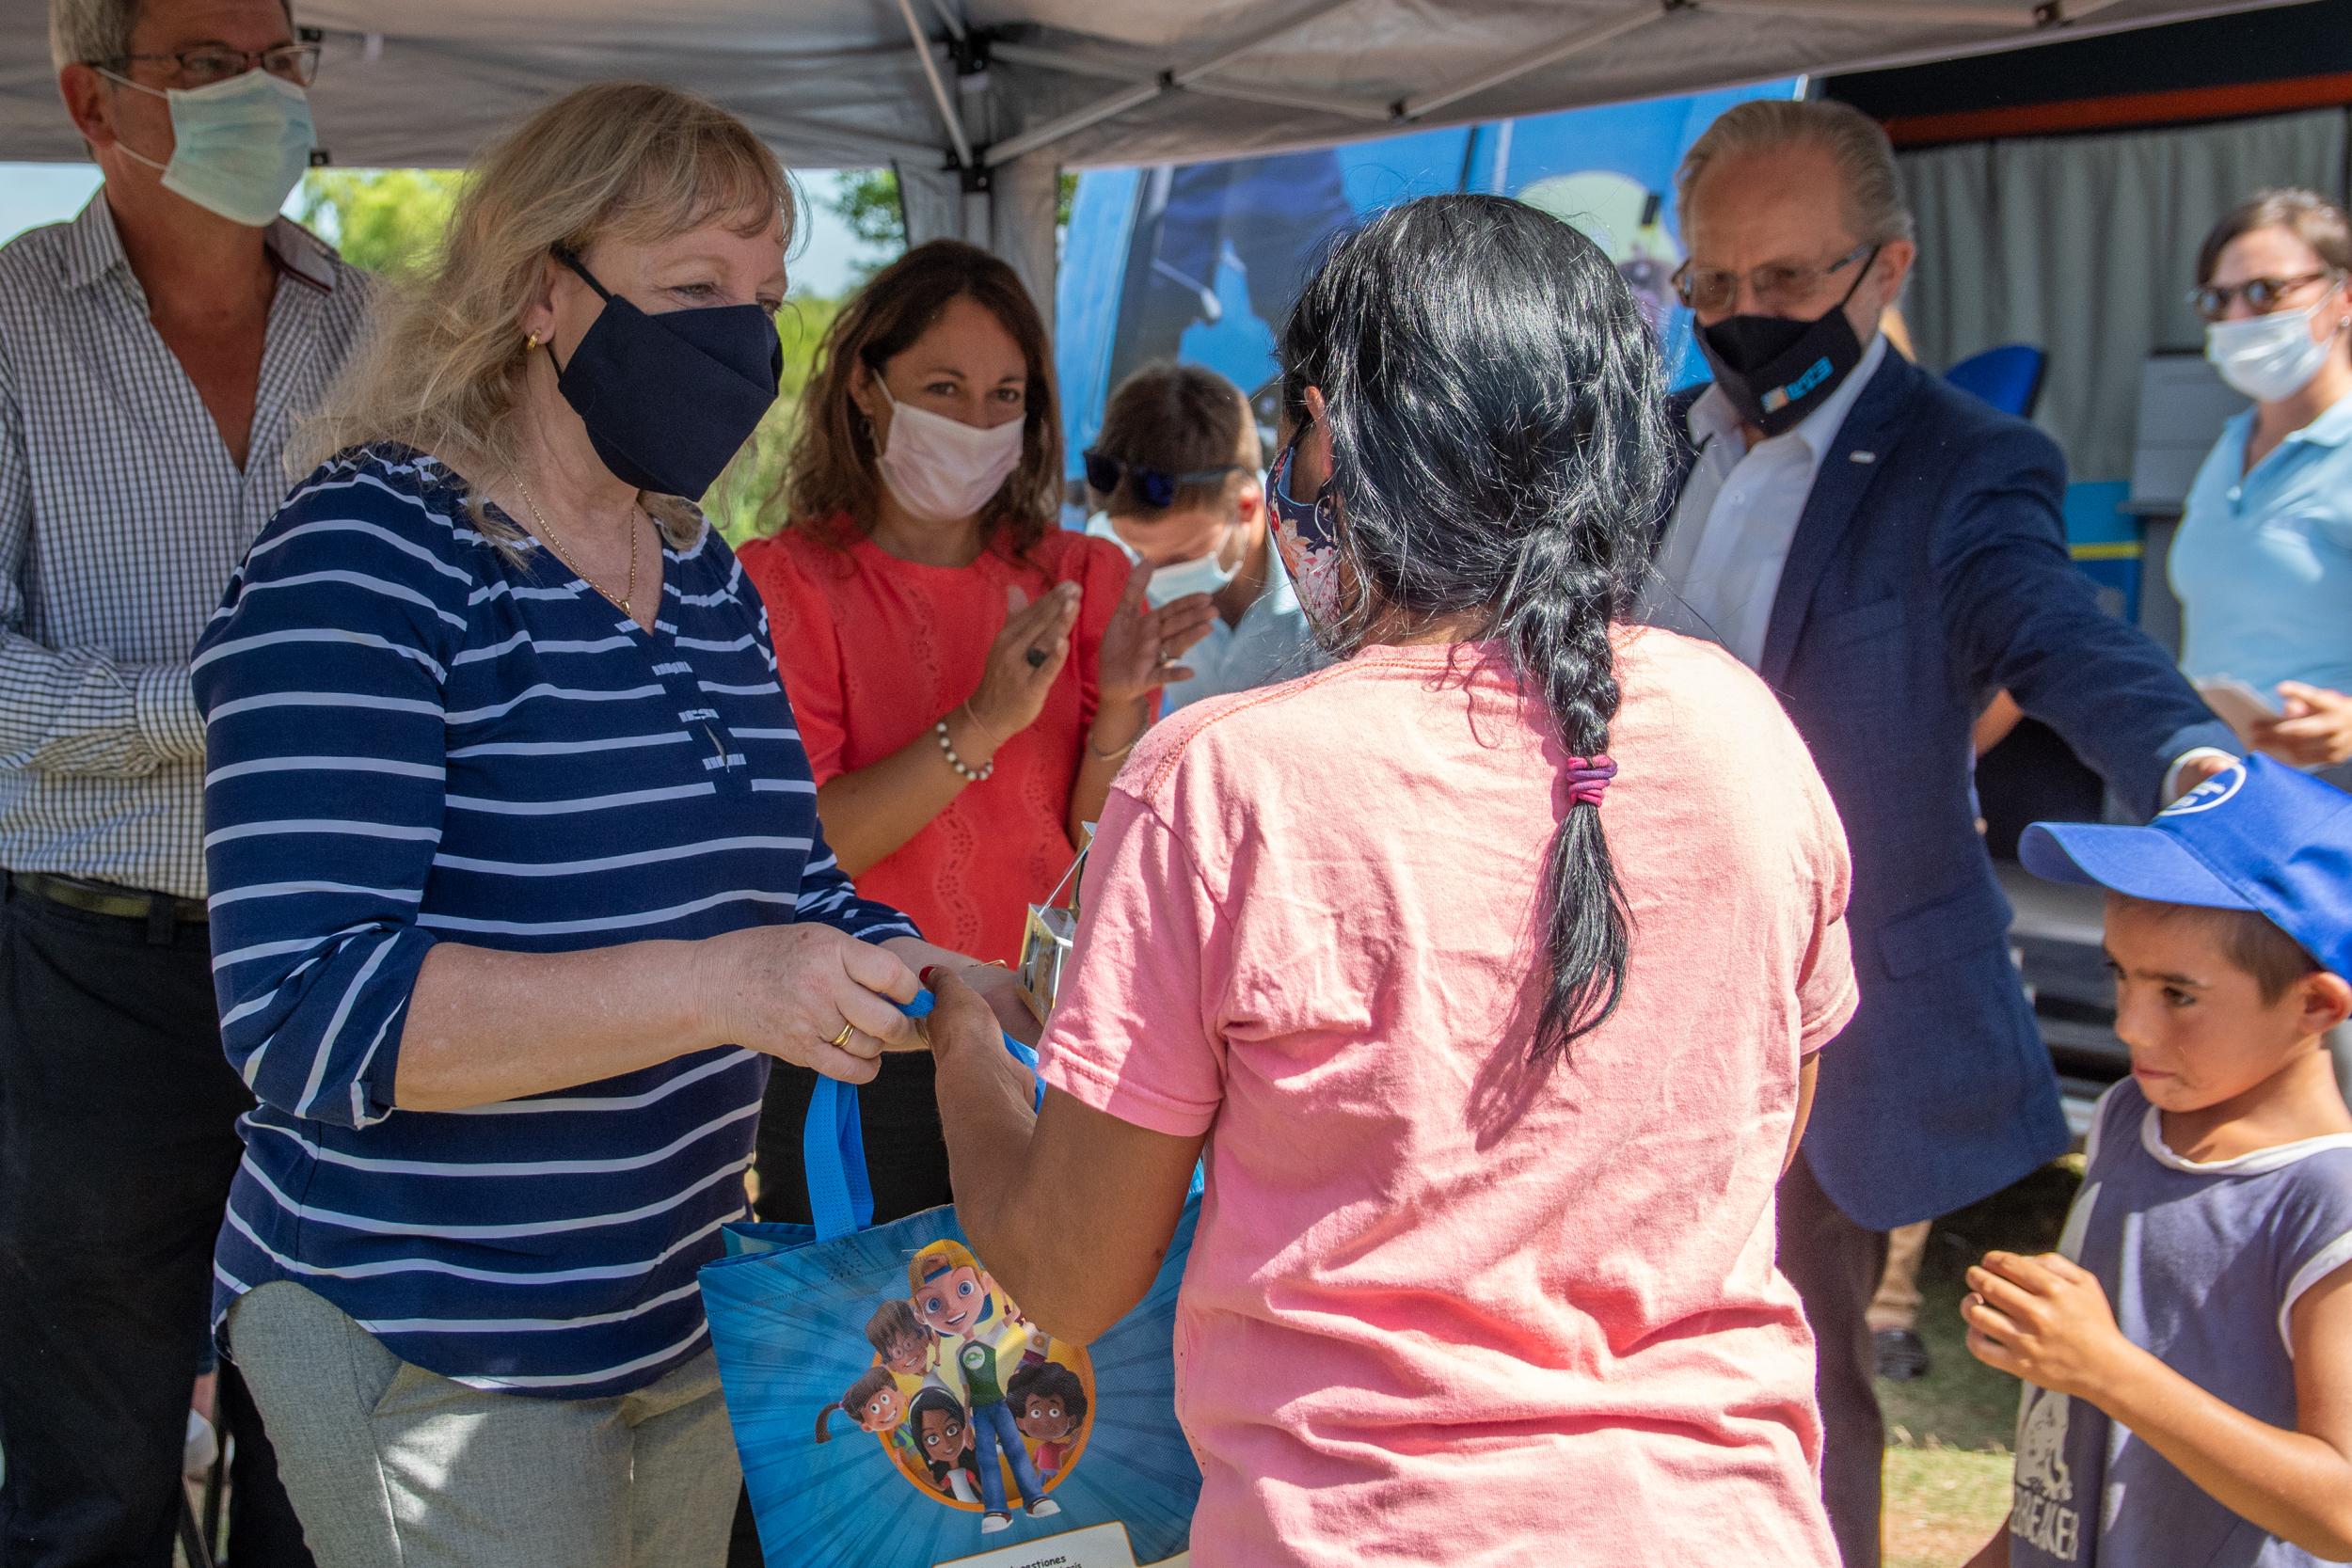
(156, 908)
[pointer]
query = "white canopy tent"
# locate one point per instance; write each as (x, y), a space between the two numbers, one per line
(978, 103)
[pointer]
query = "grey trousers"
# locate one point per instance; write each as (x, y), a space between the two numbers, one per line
(392, 1467)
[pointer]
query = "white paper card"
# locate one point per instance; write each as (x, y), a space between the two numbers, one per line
(1096, 1547)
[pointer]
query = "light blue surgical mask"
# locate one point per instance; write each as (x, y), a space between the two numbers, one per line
(1202, 575)
(238, 147)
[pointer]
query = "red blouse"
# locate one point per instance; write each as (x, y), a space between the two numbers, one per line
(875, 649)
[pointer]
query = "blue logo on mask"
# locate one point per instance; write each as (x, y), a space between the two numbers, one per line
(1781, 396)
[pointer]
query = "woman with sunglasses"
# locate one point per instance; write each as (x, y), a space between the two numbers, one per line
(966, 675)
(2263, 562)
(1176, 475)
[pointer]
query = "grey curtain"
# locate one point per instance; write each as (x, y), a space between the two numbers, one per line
(2085, 246)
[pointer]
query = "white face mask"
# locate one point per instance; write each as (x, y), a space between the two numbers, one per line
(943, 470)
(1204, 574)
(2271, 357)
(237, 145)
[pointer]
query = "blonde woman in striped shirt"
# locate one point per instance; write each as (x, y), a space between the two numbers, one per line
(518, 880)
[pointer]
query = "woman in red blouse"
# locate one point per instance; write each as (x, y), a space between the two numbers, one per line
(967, 676)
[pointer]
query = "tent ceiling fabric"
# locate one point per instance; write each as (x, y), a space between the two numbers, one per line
(838, 82)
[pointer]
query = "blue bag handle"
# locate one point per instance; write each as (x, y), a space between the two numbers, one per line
(833, 1143)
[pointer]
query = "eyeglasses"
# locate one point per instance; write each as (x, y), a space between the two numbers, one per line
(2262, 295)
(298, 63)
(1153, 488)
(1776, 287)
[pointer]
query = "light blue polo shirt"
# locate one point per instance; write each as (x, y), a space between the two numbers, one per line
(2263, 563)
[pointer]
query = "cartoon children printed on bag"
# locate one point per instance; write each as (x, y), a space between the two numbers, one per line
(960, 1302)
(944, 1439)
(993, 1420)
(878, 1405)
(963, 1388)
(951, 1295)
(1049, 1405)
(902, 1344)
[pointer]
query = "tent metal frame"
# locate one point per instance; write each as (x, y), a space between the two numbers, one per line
(1144, 82)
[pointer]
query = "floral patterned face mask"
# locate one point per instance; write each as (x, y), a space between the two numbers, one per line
(1306, 533)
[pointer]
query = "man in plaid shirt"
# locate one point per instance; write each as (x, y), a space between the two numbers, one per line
(154, 354)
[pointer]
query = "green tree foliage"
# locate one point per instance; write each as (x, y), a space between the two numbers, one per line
(867, 201)
(387, 220)
(742, 502)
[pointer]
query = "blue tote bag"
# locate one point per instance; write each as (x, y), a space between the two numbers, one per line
(894, 1409)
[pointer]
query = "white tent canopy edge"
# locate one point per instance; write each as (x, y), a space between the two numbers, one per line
(978, 103)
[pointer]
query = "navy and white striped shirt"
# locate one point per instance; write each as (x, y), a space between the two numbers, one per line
(413, 739)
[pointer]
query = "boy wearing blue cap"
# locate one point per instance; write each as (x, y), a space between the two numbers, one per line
(2187, 1350)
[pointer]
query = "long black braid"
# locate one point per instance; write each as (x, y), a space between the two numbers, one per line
(1496, 408)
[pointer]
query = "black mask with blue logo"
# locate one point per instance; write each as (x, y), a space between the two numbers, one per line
(1774, 370)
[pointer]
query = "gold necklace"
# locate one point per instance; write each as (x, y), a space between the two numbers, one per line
(627, 601)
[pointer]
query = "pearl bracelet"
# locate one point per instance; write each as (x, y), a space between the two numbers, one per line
(947, 749)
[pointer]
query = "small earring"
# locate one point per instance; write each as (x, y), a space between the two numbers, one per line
(530, 341)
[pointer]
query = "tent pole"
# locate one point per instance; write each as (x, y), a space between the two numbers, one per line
(1074, 65)
(1576, 43)
(1074, 121)
(940, 97)
(949, 15)
(1329, 103)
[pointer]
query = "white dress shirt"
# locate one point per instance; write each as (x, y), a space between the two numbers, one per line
(1719, 567)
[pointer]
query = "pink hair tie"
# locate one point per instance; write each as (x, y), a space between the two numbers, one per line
(1588, 780)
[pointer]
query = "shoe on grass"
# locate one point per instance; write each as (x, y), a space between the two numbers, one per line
(1902, 1354)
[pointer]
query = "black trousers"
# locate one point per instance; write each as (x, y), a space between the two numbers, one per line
(117, 1141)
(1835, 1264)
(906, 1154)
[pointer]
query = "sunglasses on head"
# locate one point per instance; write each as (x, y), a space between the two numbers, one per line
(1153, 488)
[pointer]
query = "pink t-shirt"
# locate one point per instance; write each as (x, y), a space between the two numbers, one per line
(1442, 1308)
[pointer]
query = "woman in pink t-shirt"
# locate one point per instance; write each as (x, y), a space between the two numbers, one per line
(1484, 969)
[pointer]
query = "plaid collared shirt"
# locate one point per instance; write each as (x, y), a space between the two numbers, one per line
(122, 519)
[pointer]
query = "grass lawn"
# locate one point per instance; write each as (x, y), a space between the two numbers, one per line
(1947, 1457)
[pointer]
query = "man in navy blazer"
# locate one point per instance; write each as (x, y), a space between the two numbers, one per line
(1886, 552)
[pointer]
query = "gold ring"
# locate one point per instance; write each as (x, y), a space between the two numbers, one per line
(842, 1038)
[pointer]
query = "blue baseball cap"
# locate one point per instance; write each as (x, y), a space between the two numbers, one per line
(2258, 835)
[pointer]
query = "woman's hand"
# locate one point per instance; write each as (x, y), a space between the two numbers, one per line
(964, 1032)
(1025, 659)
(1141, 646)
(789, 991)
(2044, 1320)
(998, 986)
(2313, 730)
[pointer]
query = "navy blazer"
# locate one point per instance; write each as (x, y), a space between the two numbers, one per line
(1930, 570)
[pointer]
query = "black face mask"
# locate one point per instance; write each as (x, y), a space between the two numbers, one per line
(669, 399)
(1776, 371)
